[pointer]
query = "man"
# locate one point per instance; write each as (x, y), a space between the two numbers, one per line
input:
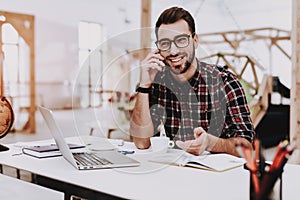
(203, 107)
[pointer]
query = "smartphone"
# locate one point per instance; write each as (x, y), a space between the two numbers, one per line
(166, 67)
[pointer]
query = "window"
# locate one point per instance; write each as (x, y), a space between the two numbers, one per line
(90, 61)
(15, 65)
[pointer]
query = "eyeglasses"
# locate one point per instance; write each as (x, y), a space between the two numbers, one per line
(180, 41)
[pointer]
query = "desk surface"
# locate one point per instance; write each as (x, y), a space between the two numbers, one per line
(14, 189)
(150, 180)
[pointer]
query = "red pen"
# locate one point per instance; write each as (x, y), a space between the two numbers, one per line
(251, 166)
(280, 153)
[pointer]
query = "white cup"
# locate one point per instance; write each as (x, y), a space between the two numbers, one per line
(161, 144)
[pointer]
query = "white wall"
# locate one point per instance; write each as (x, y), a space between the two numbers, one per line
(56, 29)
(57, 20)
(224, 15)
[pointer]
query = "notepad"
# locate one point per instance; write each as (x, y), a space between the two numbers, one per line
(212, 162)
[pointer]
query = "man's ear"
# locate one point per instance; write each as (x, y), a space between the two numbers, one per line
(196, 40)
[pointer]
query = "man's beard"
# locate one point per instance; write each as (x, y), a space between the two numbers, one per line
(187, 64)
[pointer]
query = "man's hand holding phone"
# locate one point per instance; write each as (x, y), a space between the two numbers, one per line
(150, 66)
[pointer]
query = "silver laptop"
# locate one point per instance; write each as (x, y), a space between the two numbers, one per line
(85, 159)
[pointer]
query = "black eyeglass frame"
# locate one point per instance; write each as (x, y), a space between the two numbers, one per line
(176, 37)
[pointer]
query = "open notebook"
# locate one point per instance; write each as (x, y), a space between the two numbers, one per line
(207, 161)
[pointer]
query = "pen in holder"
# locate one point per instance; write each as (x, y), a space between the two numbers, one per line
(266, 179)
(269, 183)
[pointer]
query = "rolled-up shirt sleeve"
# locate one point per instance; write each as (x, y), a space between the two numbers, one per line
(237, 121)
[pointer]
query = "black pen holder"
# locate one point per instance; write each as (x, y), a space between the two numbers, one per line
(269, 183)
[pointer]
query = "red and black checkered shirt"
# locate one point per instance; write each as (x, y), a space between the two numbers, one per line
(212, 99)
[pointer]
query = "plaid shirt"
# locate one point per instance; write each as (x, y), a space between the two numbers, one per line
(212, 99)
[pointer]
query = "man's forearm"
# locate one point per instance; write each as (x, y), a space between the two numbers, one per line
(141, 127)
(228, 145)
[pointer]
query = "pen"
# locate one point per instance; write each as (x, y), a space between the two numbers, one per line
(259, 159)
(251, 166)
(280, 153)
(257, 150)
(276, 169)
(283, 158)
(17, 154)
(125, 152)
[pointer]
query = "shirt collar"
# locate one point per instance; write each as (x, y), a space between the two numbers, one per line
(193, 80)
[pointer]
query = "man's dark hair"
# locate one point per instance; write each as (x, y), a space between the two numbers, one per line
(172, 15)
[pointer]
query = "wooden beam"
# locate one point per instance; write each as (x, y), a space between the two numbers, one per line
(145, 28)
(24, 25)
(282, 50)
(261, 104)
(295, 91)
(32, 108)
(234, 38)
(295, 87)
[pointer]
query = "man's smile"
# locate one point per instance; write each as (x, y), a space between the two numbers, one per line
(177, 61)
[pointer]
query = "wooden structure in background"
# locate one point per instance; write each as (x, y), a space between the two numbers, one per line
(145, 28)
(259, 104)
(235, 38)
(24, 25)
(248, 63)
(295, 91)
(259, 90)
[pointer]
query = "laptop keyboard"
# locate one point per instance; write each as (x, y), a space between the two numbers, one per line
(90, 159)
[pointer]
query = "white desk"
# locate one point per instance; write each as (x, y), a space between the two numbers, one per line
(149, 181)
(14, 189)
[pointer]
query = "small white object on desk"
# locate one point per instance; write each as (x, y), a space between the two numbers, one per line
(162, 143)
